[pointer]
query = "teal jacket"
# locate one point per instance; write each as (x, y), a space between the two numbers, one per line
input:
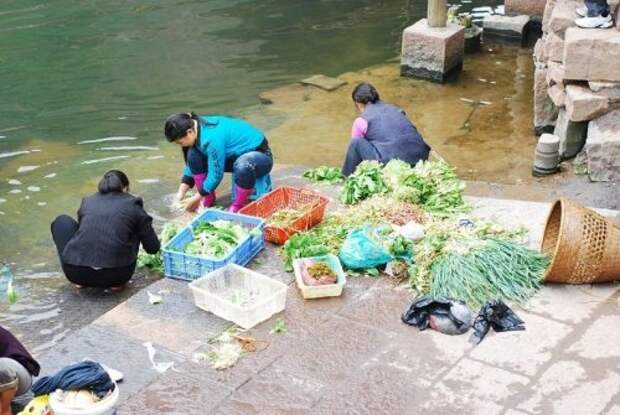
(221, 137)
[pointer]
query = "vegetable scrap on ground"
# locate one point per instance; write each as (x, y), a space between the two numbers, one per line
(227, 348)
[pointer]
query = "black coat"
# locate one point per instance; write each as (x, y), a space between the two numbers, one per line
(111, 228)
(12, 348)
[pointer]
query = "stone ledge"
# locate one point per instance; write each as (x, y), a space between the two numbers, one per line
(513, 28)
(582, 104)
(592, 55)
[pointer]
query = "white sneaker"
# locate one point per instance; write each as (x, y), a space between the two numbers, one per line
(582, 11)
(594, 22)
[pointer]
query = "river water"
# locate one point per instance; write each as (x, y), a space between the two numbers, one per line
(85, 87)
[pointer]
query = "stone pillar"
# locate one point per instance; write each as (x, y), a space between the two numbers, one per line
(433, 53)
(437, 14)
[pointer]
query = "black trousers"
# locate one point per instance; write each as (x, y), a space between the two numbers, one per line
(63, 229)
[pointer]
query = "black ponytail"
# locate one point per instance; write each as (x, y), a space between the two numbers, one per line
(176, 125)
(114, 181)
(365, 93)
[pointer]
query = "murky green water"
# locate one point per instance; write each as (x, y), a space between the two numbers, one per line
(73, 71)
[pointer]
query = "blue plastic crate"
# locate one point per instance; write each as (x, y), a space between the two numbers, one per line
(187, 267)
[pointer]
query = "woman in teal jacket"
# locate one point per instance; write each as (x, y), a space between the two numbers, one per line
(216, 144)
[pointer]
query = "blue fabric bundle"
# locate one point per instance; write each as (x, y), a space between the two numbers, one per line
(83, 375)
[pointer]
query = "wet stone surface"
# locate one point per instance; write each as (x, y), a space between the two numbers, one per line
(353, 355)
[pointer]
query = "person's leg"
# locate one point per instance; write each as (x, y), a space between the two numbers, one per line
(198, 164)
(246, 169)
(597, 8)
(99, 278)
(115, 278)
(359, 150)
(80, 276)
(63, 228)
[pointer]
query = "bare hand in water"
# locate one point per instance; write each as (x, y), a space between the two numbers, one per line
(192, 204)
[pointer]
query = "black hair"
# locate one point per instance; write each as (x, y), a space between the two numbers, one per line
(365, 93)
(114, 181)
(176, 125)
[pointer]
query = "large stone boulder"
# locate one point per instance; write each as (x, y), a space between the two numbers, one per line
(532, 8)
(545, 112)
(572, 135)
(592, 54)
(602, 147)
(583, 104)
(433, 53)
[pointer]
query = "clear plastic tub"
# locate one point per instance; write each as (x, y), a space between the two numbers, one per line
(240, 295)
(320, 291)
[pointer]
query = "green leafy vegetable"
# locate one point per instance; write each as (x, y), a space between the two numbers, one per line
(324, 174)
(433, 185)
(497, 269)
(155, 262)
(366, 181)
(215, 239)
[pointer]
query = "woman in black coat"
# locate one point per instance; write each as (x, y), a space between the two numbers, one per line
(101, 248)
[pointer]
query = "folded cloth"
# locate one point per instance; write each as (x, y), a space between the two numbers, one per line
(83, 375)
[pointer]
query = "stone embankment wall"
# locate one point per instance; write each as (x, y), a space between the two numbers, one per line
(577, 88)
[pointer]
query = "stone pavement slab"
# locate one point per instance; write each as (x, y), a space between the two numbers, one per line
(516, 351)
(113, 349)
(352, 354)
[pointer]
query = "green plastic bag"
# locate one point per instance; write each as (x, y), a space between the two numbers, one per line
(360, 251)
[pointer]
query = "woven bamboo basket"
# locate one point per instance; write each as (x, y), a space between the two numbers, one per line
(584, 247)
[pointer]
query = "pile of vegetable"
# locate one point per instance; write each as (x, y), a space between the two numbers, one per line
(155, 262)
(432, 185)
(284, 218)
(367, 180)
(495, 269)
(326, 174)
(475, 262)
(455, 258)
(215, 239)
(329, 235)
(318, 273)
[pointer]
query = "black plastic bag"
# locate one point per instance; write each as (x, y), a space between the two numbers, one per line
(441, 314)
(497, 315)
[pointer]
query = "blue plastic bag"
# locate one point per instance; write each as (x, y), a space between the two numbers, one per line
(360, 251)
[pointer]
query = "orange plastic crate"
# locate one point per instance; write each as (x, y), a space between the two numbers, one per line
(287, 197)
